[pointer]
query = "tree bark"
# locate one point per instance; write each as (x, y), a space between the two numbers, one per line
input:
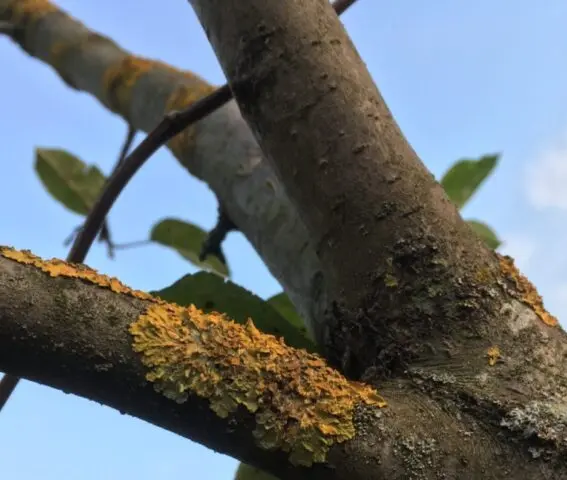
(457, 341)
(219, 149)
(71, 328)
(414, 295)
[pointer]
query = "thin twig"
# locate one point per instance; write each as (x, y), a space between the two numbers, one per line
(341, 6)
(171, 125)
(104, 235)
(125, 246)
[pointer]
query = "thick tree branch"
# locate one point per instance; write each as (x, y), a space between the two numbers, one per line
(68, 327)
(414, 293)
(391, 244)
(219, 149)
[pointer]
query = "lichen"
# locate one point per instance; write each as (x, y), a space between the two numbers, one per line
(493, 354)
(183, 96)
(300, 404)
(119, 79)
(523, 290)
(390, 281)
(547, 420)
(60, 268)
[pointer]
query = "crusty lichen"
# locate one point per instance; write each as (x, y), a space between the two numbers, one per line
(300, 404)
(183, 96)
(119, 81)
(60, 268)
(523, 290)
(120, 78)
(493, 354)
(547, 420)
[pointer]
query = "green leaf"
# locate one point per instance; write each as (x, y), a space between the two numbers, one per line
(485, 233)
(68, 179)
(246, 472)
(210, 292)
(465, 176)
(187, 239)
(283, 305)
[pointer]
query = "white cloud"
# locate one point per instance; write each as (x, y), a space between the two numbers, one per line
(547, 177)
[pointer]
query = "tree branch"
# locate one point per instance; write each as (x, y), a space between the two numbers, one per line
(217, 382)
(414, 294)
(388, 238)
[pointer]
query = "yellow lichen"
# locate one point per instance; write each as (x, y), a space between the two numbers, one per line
(183, 96)
(484, 275)
(120, 78)
(524, 290)
(300, 404)
(24, 13)
(60, 268)
(493, 354)
(390, 281)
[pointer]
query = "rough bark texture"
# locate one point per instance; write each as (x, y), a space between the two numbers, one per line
(73, 335)
(416, 297)
(219, 150)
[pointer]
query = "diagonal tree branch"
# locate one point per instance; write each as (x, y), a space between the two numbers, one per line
(388, 238)
(414, 293)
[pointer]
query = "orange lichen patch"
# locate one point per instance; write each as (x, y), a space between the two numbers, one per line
(524, 290)
(300, 404)
(183, 96)
(493, 354)
(59, 268)
(484, 275)
(120, 78)
(23, 13)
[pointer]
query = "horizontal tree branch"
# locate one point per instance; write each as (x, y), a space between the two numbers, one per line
(71, 328)
(219, 149)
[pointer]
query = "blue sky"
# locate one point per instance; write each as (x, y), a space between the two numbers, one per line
(462, 78)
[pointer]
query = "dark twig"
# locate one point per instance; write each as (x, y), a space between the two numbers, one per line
(104, 235)
(213, 243)
(341, 6)
(125, 246)
(171, 125)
